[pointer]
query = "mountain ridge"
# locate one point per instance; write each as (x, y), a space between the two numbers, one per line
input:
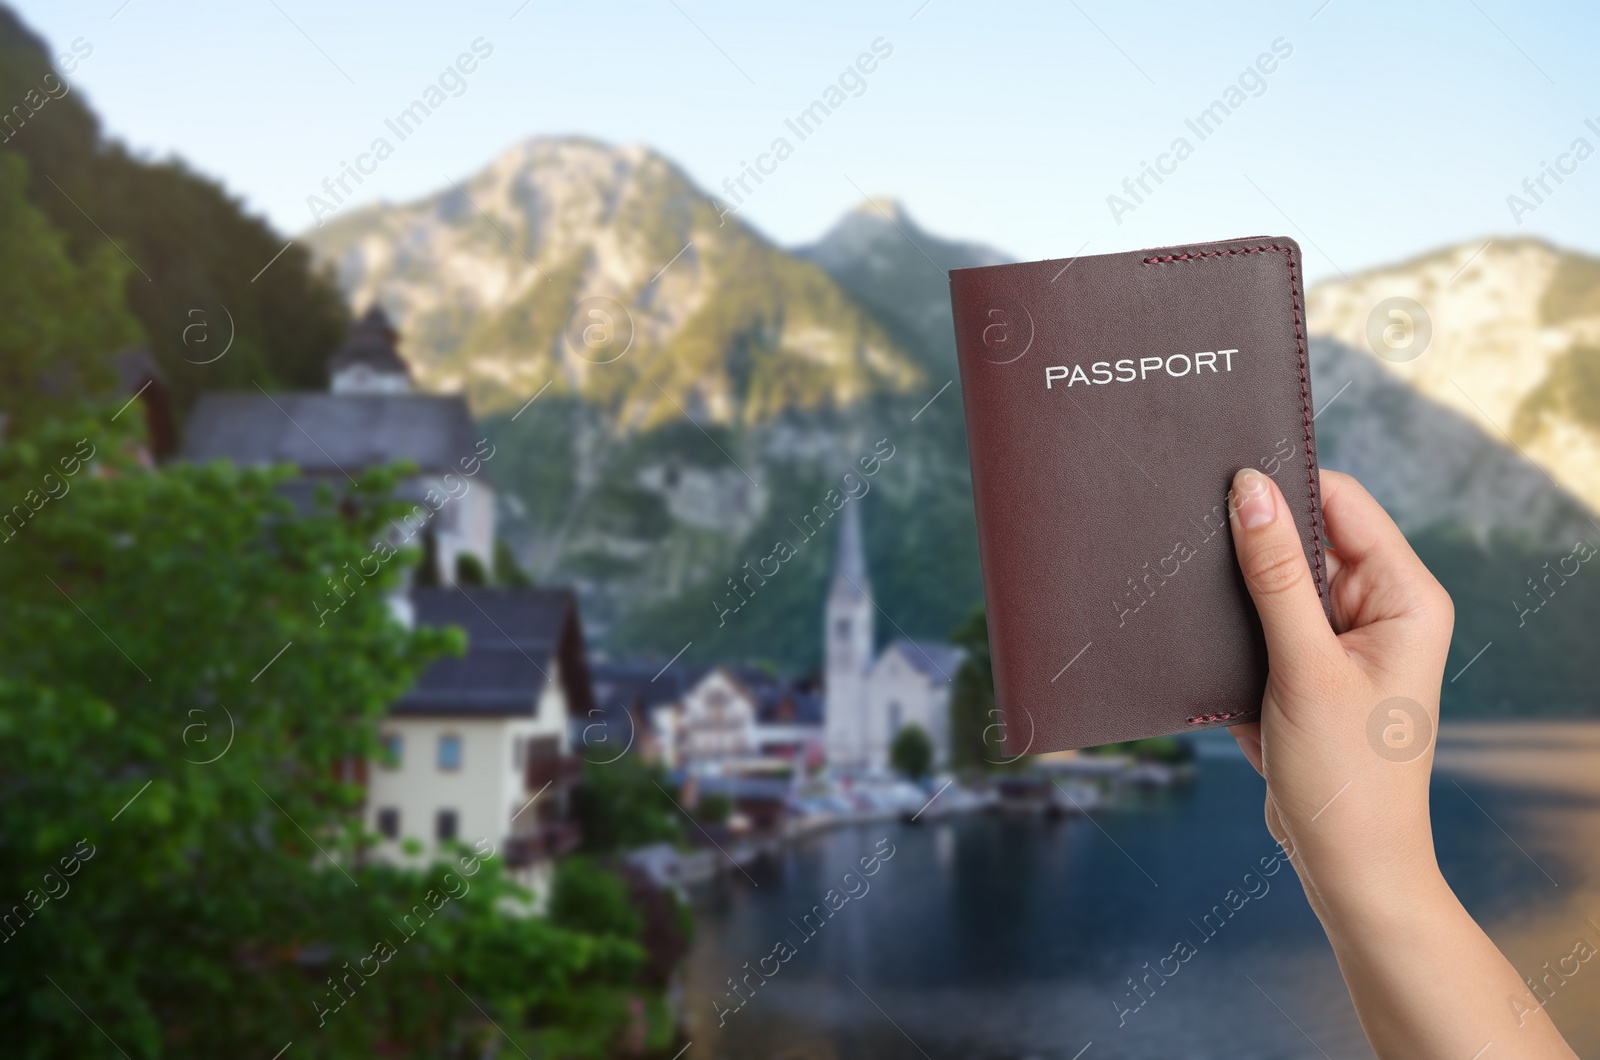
(482, 278)
(762, 373)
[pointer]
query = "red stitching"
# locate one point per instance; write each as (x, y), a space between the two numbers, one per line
(1213, 254)
(1204, 719)
(1317, 572)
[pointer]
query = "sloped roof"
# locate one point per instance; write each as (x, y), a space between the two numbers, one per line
(371, 342)
(776, 701)
(938, 662)
(331, 434)
(789, 707)
(514, 639)
(641, 683)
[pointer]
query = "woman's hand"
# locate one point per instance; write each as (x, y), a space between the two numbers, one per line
(1345, 743)
(1347, 724)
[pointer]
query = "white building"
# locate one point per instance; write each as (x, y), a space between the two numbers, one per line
(871, 697)
(734, 718)
(480, 748)
(370, 417)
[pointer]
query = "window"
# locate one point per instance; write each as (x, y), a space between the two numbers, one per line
(445, 825)
(841, 628)
(394, 747)
(894, 718)
(450, 752)
(389, 822)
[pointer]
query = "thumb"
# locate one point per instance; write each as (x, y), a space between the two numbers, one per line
(1273, 561)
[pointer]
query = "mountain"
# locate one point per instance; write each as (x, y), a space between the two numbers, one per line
(1514, 351)
(1428, 463)
(725, 388)
(715, 322)
(660, 482)
(1484, 516)
(899, 271)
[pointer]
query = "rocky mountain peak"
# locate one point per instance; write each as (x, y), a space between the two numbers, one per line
(604, 272)
(1503, 332)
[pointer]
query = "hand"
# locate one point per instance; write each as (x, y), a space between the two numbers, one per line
(1345, 743)
(1345, 739)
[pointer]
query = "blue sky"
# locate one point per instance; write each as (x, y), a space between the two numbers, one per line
(1385, 133)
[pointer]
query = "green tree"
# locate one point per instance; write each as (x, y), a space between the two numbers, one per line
(507, 571)
(230, 901)
(603, 902)
(470, 570)
(623, 804)
(49, 360)
(185, 702)
(585, 897)
(186, 245)
(911, 752)
(974, 737)
(714, 808)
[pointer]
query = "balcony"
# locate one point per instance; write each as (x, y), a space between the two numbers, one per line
(560, 772)
(543, 840)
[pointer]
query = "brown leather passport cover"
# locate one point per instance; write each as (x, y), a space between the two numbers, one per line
(1109, 401)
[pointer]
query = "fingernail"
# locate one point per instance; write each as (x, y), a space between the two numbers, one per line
(1252, 500)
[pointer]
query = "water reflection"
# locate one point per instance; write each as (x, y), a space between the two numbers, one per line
(988, 937)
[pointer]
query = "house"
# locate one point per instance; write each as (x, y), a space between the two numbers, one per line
(789, 722)
(481, 747)
(370, 418)
(738, 719)
(628, 697)
(870, 697)
(716, 720)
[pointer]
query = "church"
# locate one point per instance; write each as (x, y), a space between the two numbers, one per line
(869, 696)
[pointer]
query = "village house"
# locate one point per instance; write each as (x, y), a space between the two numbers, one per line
(370, 417)
(737, 719)
(481, 747)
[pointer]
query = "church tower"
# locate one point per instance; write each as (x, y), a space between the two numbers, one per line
(847, 646)
(368, 362)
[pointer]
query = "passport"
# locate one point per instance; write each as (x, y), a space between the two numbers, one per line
(1109, 400)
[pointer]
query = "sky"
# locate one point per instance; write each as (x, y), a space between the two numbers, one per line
(1379, 133)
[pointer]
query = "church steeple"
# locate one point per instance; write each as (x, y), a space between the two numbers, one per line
(847, 639)
(850, 558)
(368, 362)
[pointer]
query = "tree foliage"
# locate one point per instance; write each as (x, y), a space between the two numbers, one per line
(183, 869)
(974, 739)
(184, 243)
(49, 360)
(911, 752)
(146, 711)
(623, 804)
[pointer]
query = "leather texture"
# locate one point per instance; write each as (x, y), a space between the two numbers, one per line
(1115, 602)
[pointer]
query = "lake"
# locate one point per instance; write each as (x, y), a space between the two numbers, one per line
(1002, 938)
